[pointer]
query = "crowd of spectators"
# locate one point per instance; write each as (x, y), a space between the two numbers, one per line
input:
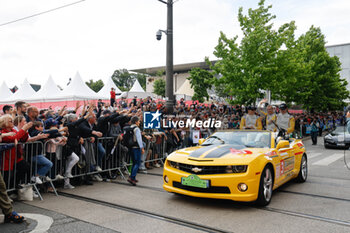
(68, 134)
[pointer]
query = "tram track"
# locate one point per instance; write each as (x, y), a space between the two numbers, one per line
(149, 214)
(278, 190)
(314, 195)
(283, 211)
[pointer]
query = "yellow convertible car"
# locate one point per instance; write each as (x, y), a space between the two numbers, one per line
(238, 165)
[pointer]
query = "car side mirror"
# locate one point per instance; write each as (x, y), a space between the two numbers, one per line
(201, 140)
(282, 144)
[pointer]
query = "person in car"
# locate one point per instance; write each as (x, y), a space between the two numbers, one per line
(251, 120)
(284, 120)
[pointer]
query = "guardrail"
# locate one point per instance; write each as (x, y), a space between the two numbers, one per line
(21, 164)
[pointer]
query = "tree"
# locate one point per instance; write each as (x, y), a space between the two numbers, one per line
(319, 84)
(95, 86)
(251, 67)
(201, 80)
(124, 80)
(159, 87)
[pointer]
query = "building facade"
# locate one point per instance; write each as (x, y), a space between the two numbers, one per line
(181, 72)
(343, 52)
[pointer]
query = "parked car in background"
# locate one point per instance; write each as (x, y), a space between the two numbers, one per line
(338, 138)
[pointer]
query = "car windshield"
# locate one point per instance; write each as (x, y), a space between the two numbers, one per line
(340, 130)
(244, 138)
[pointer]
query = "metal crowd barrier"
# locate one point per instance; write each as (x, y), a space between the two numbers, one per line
(108, 153)
(22, 166)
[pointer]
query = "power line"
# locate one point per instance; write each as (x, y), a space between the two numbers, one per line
(41, 13)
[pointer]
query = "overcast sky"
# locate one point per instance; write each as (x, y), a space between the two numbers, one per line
(96, 37)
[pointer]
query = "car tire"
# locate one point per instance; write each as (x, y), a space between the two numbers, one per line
(265, 187)
(302, 176)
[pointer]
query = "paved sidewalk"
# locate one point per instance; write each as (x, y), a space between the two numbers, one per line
(61, 223)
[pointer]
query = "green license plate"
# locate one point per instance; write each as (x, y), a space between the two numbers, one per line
(194, 181)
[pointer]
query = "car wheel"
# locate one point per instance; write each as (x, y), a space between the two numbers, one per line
(302, 176)
(265, 187)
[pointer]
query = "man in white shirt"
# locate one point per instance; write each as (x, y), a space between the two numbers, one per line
(284, 120)
(251, 120)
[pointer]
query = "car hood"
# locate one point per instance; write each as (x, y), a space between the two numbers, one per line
(224, 154)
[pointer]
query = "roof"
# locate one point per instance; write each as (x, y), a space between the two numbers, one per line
(136, 87)
(337, 45)
(36, 87)
(78, 90)
(181, 68)
(48, 91)
(24, 92)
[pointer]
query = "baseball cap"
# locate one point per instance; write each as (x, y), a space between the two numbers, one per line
(283, 106)
(50, 122)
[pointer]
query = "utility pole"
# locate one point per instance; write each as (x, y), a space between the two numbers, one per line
(169, 90)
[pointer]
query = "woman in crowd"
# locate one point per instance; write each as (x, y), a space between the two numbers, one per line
(13, 158)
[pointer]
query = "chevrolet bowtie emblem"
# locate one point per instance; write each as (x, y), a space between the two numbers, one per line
(196, 169)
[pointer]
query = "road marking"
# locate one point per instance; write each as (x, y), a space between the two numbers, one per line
(313, 155)
(44, 222)
(328, 160)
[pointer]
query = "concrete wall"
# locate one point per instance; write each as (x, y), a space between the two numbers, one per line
(179, 79)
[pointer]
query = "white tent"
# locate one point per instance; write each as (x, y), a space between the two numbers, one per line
(105, 91)
(23, 93)
(138, 91)
(5, 92)
(185, 91)
(136, 87)
(47, 93)
(78, 90)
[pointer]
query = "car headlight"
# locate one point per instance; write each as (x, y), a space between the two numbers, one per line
(174, 164)
(236, 169)
(328, 137)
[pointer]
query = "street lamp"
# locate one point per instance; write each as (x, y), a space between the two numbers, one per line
(169, 91)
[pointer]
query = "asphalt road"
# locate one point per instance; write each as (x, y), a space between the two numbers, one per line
(322, 204)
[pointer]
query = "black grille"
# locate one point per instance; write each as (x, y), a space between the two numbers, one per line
(212, 189)
(206, 170)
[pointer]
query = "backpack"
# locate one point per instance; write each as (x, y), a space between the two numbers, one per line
(128, 137)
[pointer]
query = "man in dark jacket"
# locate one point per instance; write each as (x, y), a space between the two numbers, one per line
(104, 121)
(88, 129)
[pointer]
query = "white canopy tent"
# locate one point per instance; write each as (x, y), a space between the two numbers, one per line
(105, 91)
(24, 92)
(47, 93)
(5, 92)
(136, 90)
(77, 90)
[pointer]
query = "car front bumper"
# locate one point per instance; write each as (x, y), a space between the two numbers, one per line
(222, 186)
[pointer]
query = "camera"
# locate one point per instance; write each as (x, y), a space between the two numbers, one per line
(159, 35)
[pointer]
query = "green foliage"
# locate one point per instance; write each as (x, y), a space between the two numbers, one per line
(249, 68)
(201, 81)
(159, 87)
(320, 86)
(299, 71)
(95, 86)
(160, 73)
(124, 80)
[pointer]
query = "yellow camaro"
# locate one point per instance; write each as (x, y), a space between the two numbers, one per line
(238, 165)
